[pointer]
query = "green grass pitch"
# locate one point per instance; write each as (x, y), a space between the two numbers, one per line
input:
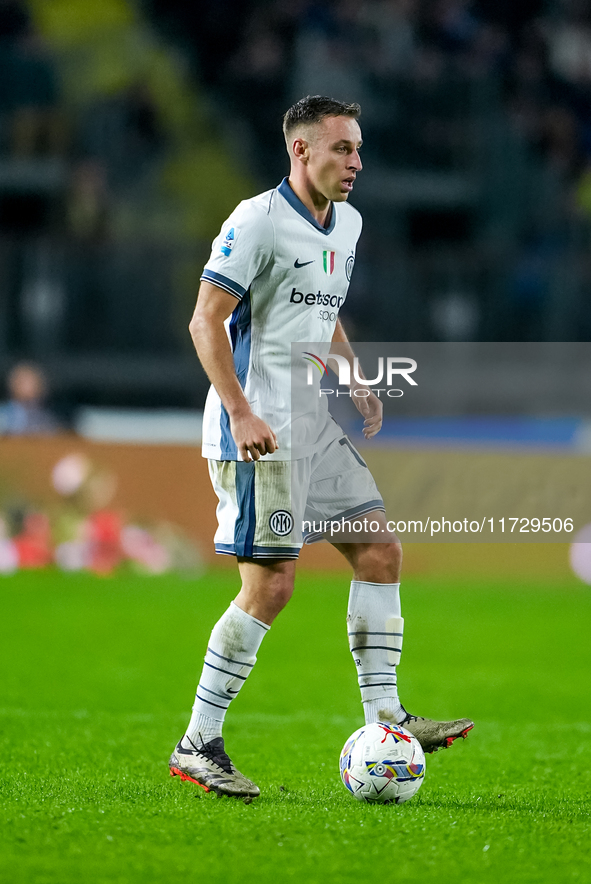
(97, 678)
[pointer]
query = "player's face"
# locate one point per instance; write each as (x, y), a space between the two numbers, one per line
(333, 158)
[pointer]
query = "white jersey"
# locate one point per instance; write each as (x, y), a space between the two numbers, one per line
(291, 277)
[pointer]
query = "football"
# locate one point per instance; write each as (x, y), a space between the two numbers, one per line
(382, 764)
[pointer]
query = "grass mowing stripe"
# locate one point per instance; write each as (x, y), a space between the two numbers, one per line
(98, 678)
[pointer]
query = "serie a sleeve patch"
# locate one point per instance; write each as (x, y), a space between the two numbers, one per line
(229, 237)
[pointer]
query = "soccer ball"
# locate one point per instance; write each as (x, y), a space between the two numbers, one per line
(382, 764)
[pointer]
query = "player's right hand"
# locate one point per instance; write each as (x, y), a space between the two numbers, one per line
(253, 437)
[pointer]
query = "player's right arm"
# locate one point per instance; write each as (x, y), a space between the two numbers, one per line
(253, 437)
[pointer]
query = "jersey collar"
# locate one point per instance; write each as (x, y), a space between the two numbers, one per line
(296, 203)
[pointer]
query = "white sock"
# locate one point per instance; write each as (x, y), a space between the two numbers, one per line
(375, 630)
(230, 656)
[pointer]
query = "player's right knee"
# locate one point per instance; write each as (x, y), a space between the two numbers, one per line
(280, 594)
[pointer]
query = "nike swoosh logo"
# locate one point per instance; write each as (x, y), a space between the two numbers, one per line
(297, 264)
(180, 750)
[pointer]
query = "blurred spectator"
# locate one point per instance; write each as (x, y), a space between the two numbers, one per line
(87, 202)
(258, 87)
(559, 139)
(33, 543)
(331, 58)
(24, 414)
(15, 21)
(529, 286)
(391, 35)
(450, 25)
(513, 17)
(527, 84)
(256, 81)
(323, 67)
(29, 93)
(211, 33)
(124, 131)
(143, 135)
(489, 51)
(89, 292)
(569, 43)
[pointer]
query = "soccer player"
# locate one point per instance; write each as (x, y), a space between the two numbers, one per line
(257, 297)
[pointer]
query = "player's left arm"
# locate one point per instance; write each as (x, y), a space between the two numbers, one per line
(370, 406)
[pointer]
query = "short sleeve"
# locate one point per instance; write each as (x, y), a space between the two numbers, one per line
(242, 250)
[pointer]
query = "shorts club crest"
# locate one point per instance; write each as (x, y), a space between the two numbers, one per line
(281, 523)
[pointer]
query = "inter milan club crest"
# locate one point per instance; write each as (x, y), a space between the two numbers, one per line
(350, 263)
(281, 523)
(328, 261)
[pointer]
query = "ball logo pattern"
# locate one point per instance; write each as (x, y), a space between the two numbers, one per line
(382, 764)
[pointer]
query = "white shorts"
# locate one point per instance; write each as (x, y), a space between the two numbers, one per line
(263, 504)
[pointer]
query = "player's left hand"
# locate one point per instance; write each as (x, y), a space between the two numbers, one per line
(372, 410)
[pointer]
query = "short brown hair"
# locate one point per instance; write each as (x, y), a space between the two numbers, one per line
(314, 109)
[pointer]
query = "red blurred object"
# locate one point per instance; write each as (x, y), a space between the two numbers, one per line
(104, 533)
(33, 544)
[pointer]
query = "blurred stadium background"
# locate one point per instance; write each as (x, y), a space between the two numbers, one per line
(128, 132)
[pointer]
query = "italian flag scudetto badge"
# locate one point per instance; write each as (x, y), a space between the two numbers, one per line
(328, 261)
